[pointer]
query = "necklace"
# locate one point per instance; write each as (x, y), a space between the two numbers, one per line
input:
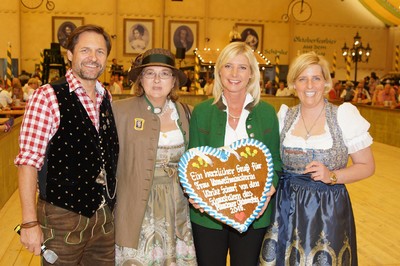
(234, 117)
(315, 122)
(161, 111)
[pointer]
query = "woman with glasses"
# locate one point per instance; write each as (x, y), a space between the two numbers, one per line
(152, 215)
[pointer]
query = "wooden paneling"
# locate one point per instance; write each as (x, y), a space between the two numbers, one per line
(193, 99)
(8, 172)
(385, 123)
(276, 102)
(190, 99)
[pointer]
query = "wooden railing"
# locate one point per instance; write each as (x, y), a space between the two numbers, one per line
(385, 122)
(193, 99)
(8, 172)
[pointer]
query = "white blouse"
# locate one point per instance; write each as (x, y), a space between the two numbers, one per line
(354, 128)
(231, 135)
(172, 137)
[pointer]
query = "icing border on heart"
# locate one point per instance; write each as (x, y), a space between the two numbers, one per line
(223, 153)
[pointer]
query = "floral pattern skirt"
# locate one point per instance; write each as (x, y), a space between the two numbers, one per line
(166, 235)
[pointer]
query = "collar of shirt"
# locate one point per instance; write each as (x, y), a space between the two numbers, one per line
(248, 100)
(93, 109)
(75, 84)
(240, 132)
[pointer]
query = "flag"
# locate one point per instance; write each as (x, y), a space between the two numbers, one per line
(9, 75)
(348, 67)
(197, 73)
(334, 63)
(41, 64)
(277, 69)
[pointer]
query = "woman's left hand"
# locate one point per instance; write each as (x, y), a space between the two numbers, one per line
(318, 171)
(195, 205)
(270, 193)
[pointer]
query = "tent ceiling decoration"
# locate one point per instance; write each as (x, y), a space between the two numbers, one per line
(207, 57)
(388, 11)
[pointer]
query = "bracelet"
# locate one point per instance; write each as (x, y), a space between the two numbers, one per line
(333, 178)
(29, 224)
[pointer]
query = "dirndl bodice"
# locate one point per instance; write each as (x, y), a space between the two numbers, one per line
(313, 222)
(295, 159)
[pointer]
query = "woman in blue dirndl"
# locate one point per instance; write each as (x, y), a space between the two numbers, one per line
(313, 222)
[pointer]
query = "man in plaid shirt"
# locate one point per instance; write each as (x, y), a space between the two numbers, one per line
(69, 145)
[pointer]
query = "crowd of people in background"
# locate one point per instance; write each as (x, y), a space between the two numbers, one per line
(16, 95)
(19, 91)
(369, 90)
(366, 91)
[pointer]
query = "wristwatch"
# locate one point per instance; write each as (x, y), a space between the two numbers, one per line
(333, 178)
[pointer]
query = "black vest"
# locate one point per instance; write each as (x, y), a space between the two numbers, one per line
(75, 155)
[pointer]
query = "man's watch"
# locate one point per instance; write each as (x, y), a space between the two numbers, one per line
(333, 178)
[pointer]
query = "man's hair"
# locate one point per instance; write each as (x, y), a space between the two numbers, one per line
(74, 37)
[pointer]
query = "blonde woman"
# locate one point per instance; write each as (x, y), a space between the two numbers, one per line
(313, 222)
(234, 113)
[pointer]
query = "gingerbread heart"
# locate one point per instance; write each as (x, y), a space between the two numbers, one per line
(229, 183)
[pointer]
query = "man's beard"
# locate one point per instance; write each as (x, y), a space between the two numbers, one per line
(90, 75)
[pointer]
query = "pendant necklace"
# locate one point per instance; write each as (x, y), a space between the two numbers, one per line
(315, 122)
(161, 111)
(234, 117)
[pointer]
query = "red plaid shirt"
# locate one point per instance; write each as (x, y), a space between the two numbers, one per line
(42, 119)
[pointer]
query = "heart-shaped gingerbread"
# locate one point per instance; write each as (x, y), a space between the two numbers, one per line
(229, 183)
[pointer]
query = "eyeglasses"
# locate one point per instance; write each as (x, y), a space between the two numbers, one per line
(150, 74)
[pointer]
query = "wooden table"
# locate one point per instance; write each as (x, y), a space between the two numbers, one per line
(3, 120)
(14, 113)
(21, 107)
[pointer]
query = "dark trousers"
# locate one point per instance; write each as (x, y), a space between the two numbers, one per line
(76, 239)
(212, 246)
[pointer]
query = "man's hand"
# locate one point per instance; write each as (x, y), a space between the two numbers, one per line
(32, 239)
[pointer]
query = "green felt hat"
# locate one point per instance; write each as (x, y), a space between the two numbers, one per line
(156, 57)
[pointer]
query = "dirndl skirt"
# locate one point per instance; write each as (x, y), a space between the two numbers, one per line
(313, 224)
